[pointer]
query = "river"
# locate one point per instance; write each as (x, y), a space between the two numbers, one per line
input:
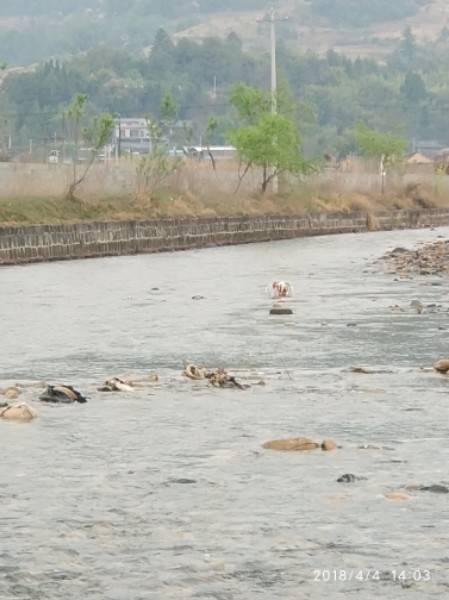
(166, 493)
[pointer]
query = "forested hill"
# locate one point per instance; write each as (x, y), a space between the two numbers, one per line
(408, 93)
(126, 55)
(35, 30)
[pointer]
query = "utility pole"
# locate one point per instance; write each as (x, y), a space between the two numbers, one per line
(118, 136)
(273, 61)
(272, 19)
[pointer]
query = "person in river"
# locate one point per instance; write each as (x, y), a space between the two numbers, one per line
(281, 289)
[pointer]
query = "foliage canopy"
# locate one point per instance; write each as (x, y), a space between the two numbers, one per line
(263, 139)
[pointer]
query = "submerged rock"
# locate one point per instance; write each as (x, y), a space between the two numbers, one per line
(11, 393)
(193, 372)
(329, 445)
(116, 385)
(397, 496)
(153, 377)
(281, 311)
(218, 377)
(62, 394)
(365, 370)
(350, 478)
(435, 489)
(18, 412)
(291, 444)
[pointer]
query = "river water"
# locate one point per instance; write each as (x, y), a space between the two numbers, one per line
(166, 493)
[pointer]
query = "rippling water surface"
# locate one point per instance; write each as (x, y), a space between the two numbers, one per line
(166, 492)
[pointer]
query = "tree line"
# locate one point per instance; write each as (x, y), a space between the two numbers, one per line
(408, 94)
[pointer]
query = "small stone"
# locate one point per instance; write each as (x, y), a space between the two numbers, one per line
(281, 311)
(414, 487)
(350, 478)
(416, 304)
(153, 377)
(365, 370)
(397, 496)
(12, 393)
(435, 489)
(396, 308)
(329, 445)
(184, 480)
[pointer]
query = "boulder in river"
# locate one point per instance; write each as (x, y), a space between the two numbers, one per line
(442, 366)
(291, 444)
(18, 412)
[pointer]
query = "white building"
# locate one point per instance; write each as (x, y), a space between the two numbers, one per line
(132, 135)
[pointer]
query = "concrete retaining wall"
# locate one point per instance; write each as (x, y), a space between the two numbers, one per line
(38, 243)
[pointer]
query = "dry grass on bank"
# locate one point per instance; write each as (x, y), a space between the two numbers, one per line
(310, 199)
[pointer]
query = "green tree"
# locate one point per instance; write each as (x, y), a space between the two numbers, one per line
(263, 139)
(377, 144)
(168, 111)
(388, 148)
(413, 88)
(211, 128)
(96, 136)
(168, 108)
(157, 166)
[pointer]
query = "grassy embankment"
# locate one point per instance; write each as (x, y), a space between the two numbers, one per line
(303, 198)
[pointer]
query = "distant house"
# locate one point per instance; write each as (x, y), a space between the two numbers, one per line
(132, 135)
(430, 149)
(418, 158)
(204, 152)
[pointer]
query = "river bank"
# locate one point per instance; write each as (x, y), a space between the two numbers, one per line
(66, 241)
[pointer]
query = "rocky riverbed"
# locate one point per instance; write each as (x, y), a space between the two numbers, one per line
(167, 491)
(427, 259)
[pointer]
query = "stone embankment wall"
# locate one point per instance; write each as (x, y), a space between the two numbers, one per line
(39, 243)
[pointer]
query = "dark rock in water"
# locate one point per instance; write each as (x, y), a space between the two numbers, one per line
(436, 489)
(62, 394)
(349, 478)
(281, 311)
(3, 404)
(183, 480)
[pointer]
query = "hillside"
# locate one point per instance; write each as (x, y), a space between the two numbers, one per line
(352, 27)
(373, 41)
(102, 49)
